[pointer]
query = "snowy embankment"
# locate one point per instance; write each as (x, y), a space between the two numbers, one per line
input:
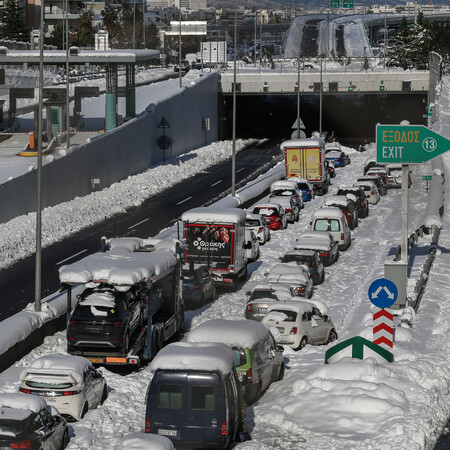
(350, 404)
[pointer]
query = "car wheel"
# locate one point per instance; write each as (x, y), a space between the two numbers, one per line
(349, 244)
(332, 336)
(269, 237)
(302, 344)
(65, 439)
(85, 410)
(214, 294)
(322, 278)
(202, 300)
(281, 373)
(104, 394)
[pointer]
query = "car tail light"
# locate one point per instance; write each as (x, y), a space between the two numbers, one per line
(293, 330)
(299, 290)
(223, 428)
(196, 286)
(67, 393)
(73, 322)
(342, 236)
(323, 254)
(249, 374)
(260, 230)
(24, 390)
(21, 444)
(117, 323)
(288, 210)
(249, 307)
(372, 193)
(308, 191)
(147, 424)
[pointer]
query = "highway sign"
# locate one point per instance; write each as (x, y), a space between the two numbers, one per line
(408, 144)
(335, 3)
(383, 293)
(348, 3)
(427, 177)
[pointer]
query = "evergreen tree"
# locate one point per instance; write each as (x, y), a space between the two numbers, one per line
(14, 27)
(56, 37)
(85, 34)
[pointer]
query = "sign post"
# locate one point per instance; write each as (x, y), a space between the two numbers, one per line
(383, 294)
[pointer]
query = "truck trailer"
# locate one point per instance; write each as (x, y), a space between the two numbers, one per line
(132, 301)
(216, 237)
(305, 158)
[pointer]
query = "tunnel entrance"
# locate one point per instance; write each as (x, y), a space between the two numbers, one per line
(348, 116)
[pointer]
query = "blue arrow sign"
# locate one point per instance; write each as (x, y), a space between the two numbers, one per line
(383, 293)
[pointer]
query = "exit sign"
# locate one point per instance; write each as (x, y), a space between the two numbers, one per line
(408, 144)
(335, 3)
(348, 3)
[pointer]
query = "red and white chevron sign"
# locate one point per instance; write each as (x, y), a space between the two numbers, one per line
(383, 329)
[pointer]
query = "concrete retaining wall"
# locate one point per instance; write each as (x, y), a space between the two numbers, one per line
(125, 151)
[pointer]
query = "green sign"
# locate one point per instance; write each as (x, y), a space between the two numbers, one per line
(426, 177)
(408, 144)
(348, 3)
(335, 3)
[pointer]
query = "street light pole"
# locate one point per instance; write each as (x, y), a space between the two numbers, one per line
(179, 43)
(233, 153)
(320, 99)
(134, 24)
(298, 96)
(67, 79)
(37, 278)
(384, 51)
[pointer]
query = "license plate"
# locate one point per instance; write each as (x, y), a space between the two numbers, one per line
(162, 432)
(50, 399)
(96, 360)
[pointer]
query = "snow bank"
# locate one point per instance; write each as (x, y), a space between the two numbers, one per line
(144, 441)
(436, 197)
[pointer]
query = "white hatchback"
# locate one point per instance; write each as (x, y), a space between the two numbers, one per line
(257, 224)
(301, 322)
(371, 191)
(69, 383)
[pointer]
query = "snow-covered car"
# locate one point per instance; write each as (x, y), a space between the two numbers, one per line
(26, 421)
(347, 206)
(251, 246)
(273, 214)
(379, 171)
(309, 258)
(362, 205)
(331, 169)
(301, 322)
(332, 220)
(198, 286)
(117, 315)
(285, 188)
(257, 224)
(144, 441)
(336, 157)
(264, 294)
(379, 183)
(304, 187)
(291, 210)
(69, 383)
(394, 175)
(322, 242)
(294, 275)
(371, 191)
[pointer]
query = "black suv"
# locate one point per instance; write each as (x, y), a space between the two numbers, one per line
(362, 205)
(105, 319)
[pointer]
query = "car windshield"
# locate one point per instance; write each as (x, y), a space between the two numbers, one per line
(263, 294)
(12, 428)
(299, 259)
(327, 225)
(252, 222)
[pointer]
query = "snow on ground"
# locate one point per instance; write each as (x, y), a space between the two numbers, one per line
(350, 404)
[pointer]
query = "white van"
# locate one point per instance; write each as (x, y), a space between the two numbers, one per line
(333, 220)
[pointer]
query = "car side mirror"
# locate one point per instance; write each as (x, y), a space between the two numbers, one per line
(280, 348)
(325, 318)
(248, 293)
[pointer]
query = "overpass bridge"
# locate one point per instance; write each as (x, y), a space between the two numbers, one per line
(333, 82)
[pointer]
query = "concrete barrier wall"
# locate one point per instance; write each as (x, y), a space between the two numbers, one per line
(127, 150)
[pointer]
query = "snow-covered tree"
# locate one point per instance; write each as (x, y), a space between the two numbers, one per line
(14, 27)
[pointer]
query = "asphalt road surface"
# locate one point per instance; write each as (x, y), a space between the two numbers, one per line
(17, 281)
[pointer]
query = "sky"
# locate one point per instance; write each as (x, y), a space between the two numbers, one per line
(350, 404)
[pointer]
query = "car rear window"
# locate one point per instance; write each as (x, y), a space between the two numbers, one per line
(263, 294)
(265, 211)
(327, 225)
(49, 385)
(203, 397)
(299, 259)
(12, 428)
(188, 274)
(291, 316)
(303, 186)
(170, 396)
(252, 222)
(283, 192)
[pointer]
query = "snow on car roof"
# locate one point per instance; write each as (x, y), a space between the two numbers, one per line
(267, 206)
(337, 200)
(313, 234)
(367, 183)
(25, 402)
(333, 153)
(297, 180)
(194, 356)
(242, 333)
(126, 270)
(287, 273)
(280, 200)
(302, 143)
(282, 184)
(298, 306)
(327, 213)
(267, 286)
(214, 214)
(129, 243)
(144, 441)
(59, 364)
(352, 197)
(254, 216)
(300, 252)
(311, 243)
(321, 306)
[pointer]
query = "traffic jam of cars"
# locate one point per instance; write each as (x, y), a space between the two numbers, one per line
(201, 386)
